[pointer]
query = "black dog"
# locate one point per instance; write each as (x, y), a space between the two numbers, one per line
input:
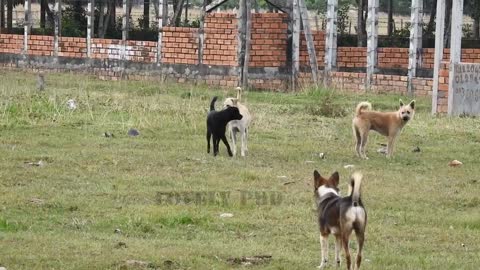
(217, 123)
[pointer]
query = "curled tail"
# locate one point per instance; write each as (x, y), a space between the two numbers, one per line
(362, 106)
(212, 104)
(354, 188)
(239, 93)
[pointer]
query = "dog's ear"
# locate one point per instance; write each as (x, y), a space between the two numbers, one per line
(412, 104)
(317, 180)
(401, 103)
(334, 179)
(234, 101)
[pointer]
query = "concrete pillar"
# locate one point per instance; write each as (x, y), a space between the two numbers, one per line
(439, 30)
(90, 26)
(330, 40)
(455, 48)
(295, 43)
(372, 41)
(415, 55)
(125, 24)
(160, 20)
(57, 11)
(27, 25)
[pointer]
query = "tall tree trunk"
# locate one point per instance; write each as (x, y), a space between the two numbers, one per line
(112, 14)
(9, 14)
(43, 3)
(433, 14)
(361, 23)
(2, 13)
(155, 6)
(476, 28)
(108, 19)
(50, 16)
(186, 12)
(177, 15)
(390, 18)
(101, 17)
(448, 23)
(146, 14)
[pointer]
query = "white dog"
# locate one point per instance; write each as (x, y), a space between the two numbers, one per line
(241, 126)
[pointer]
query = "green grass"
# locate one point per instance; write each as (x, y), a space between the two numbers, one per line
(63, 215)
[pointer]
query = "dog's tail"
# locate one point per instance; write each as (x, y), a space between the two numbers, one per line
(362, 106)
(239, 93)
(212, 104)
(354, 187)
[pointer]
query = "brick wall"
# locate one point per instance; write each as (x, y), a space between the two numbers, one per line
(355, 82)
(40, 45)
(106, 48)
(393, 58)
(351, 57)
(135, 51)
(319, 42)
(11, 43)
(180, 45)
(220, 39)
(442, 95)
(72, 47)
(356, 57)
(468, 56)
(269, 40)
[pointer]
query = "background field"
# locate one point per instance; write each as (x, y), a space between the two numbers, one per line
(422, 213)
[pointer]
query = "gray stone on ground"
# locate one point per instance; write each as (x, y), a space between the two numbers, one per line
(133, 132)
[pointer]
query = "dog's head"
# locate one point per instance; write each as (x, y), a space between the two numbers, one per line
(234, 113)
(324, 186)
(230, 102)
(406, 112)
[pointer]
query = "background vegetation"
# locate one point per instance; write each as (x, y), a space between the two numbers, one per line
(92, 204)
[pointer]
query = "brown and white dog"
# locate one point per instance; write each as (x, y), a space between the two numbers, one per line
(240, 126)
(388, 124)
(340, 216)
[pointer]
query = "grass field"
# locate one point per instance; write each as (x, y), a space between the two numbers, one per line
(94, 203)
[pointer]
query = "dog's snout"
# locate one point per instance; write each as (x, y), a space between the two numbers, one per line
(406, 118)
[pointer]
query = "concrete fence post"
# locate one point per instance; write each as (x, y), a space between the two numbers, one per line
(372, 41)
(90, 26)
(330, 41)
(414, 55)
(57, 27)
(160, 30)
(455, 48)
(27, 25)
(439, 30)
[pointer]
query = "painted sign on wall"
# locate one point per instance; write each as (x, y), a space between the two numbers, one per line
(466, 89)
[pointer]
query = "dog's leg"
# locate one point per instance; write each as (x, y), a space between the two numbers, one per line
(324, 246)
(209, 135)
(364, 136)
(347, 251)
(244, 141)
(338, 247)
(216, 142)
(233, 135)
(356, 135)
(391, 142)
(360, 239)
(224, 139)
(246, 138)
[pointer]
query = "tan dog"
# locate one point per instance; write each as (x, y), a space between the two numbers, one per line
(240, 126)
(388, 124)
